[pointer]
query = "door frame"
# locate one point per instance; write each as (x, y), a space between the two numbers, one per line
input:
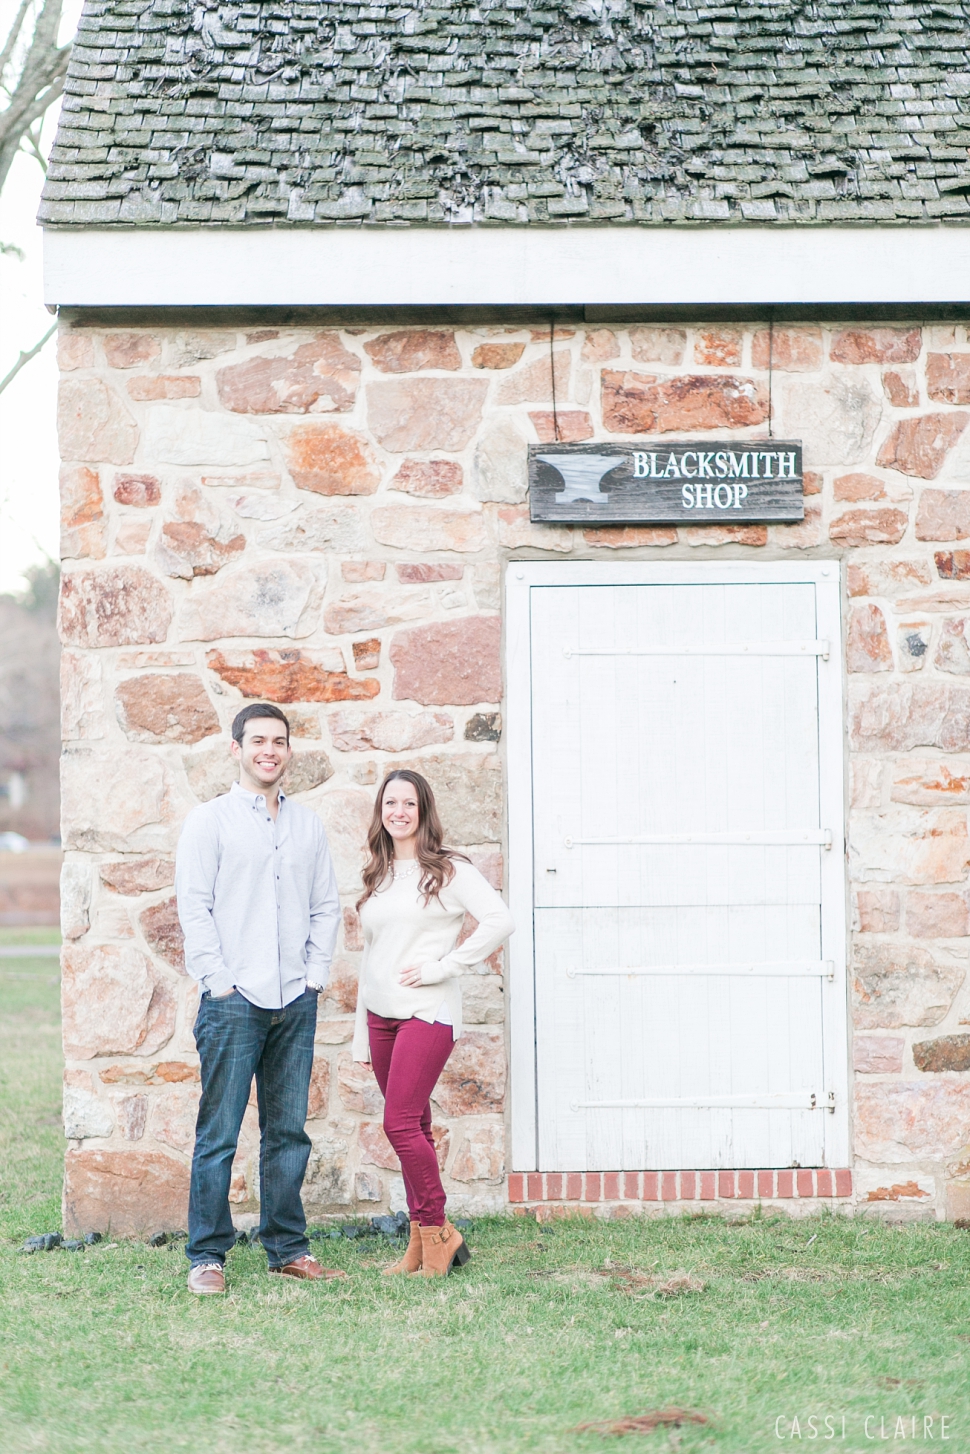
(521, 577)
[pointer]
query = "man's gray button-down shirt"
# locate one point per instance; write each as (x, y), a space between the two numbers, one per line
(257, 899)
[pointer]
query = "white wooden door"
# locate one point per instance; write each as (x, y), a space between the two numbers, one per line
(684, 981)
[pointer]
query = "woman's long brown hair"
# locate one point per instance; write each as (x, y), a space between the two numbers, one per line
(437, 867)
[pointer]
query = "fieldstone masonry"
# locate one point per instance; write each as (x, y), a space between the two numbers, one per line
(320, 517)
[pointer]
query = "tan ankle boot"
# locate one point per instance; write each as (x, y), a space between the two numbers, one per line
(442, 1249)
(411, 1261)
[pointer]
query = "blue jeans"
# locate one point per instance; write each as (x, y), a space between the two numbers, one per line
(236, 1041)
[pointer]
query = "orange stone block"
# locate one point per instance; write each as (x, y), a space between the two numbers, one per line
(867, 647)
(128, 350)
(329, 460)
(124, 1193)
(718, 347)
(411, 349)
(859, 487)
(320, 375)
(165, 386)
(625, 537)
(288, 676)
(919, 447)
(497, 355)
(948, 377)
(640, 404)
(789, 350)
(876, 345)
(566, 426)
(433, 478)
(869, 527)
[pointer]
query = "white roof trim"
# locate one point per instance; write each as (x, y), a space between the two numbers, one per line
(486, 267)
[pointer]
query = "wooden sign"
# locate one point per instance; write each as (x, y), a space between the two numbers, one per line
(691, 482)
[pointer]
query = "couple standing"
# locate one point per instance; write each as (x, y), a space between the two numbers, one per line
(257, 900)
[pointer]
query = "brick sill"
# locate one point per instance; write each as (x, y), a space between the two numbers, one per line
(677, 1186)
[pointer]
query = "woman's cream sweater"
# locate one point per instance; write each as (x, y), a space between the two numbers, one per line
(400, 929)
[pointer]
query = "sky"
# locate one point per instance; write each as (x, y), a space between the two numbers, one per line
(28, 443)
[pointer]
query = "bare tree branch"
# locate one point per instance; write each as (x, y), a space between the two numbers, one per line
(40, 79)
(33, 147)
(11, 40)
(26, 357)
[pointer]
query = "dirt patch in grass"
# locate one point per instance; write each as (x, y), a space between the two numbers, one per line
(644, 1423)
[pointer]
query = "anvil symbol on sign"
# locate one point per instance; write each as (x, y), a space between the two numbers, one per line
(581, 474)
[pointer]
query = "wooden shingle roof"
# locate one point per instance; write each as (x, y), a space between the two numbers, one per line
(324, 112)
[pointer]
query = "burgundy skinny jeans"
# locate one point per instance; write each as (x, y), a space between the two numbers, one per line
(408, 1056)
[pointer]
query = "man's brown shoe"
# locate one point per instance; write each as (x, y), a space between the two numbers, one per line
(207, 1278)
(309, 1269)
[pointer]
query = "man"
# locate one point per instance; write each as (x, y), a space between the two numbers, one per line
(257, 900)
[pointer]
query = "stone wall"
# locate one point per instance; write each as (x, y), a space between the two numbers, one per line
(320, 518)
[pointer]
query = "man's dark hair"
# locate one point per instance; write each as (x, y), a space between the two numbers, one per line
(256, 709)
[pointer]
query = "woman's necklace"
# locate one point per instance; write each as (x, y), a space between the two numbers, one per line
(404, 872)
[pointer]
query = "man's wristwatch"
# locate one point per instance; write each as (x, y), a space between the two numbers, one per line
(311, 984)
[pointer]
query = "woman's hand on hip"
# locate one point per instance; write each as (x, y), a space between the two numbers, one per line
(411, 976)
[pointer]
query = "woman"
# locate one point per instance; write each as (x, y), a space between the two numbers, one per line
(416, 895)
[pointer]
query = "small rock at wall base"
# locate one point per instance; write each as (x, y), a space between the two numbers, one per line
(46, 1242)
(391, 1226)
(158, 1239)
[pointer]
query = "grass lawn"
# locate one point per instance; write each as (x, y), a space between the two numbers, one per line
(105, 1350)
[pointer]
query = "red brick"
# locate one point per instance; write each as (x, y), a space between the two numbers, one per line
(746, 1184)
(516, 1187)
(651, 1191)
(631, 1186)
(611, 1186)
(594, 1186)
(843, 1182)
(574, 1186)
(824, 1180)
(668, 1186)
(805, 1182)
(766, 1183)
(725, 1184)
(688, 1186)
(786, 1181)
(708, 1186)
(554, 1186)
(534, 1186)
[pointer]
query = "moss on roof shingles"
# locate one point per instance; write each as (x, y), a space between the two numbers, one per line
(323, 112)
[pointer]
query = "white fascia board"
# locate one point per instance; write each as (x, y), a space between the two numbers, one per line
(504, 266)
